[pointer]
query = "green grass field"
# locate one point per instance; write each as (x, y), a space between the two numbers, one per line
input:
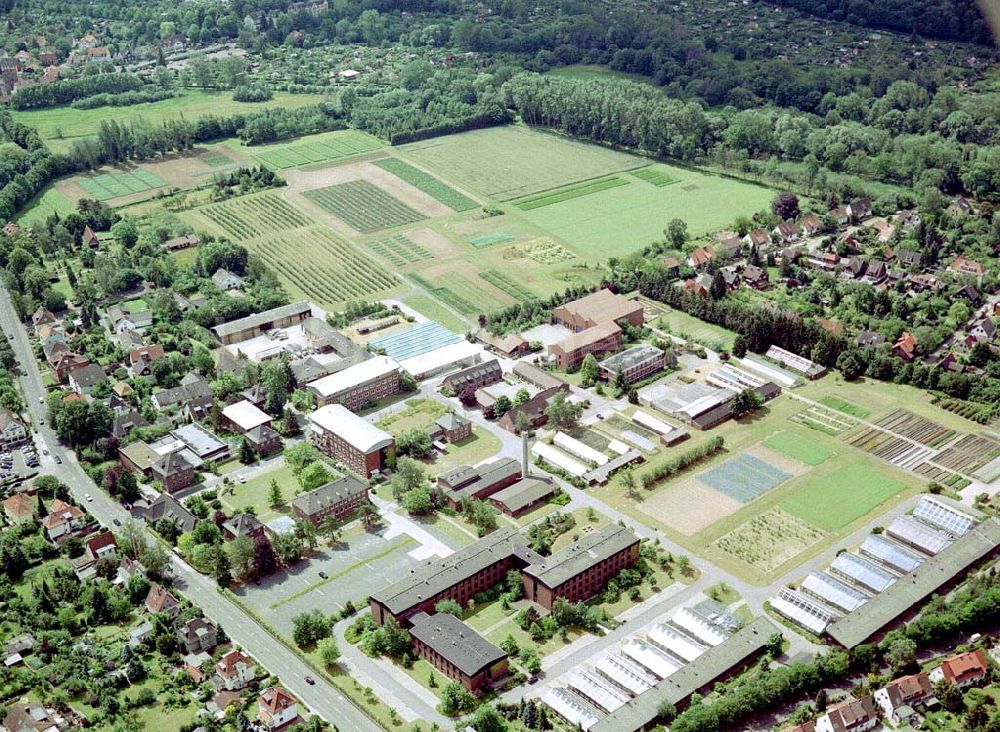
(845, 495)
(58, 126)
(687, 326)
(428, 184)
(322, 148)
(42, 206)
(513, 161)
(431, 308)
(363, 206)
(619, 220)
(798, 447)
(596, 72)
(844, 406)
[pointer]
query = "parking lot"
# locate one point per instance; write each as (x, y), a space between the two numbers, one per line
(18, 464)
(362, 563)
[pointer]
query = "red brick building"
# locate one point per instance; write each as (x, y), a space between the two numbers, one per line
(598, 340)
(598, 308)
(339, 498)
(340, 434)
(356, 386)
(582, 569)
(458, 651)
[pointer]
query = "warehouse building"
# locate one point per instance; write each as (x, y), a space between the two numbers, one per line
(478, 482)
(259, 323)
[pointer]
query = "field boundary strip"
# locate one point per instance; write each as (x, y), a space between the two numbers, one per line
(436, 189)
(654, 177)
(569, 192)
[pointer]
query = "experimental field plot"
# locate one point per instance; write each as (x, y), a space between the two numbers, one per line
(400, 250)
(845, 495)
(363, 206)
(798, 448)
(321, 149)
(106, 186)
(253, 216)
(823, 420)
(426, 182)
(744, 477)
(568, 193)
(655, 176)
(768, 540)
(508, 284)
(919, 429)
(969, 453)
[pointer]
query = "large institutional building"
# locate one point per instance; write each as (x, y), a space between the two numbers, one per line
(342, 435)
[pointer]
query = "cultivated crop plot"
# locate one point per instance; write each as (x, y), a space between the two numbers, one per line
(919, 429)
(798, 448)
(254, 216)
(426, 182)
(400, 250)
(969, 453)
(744, 477)
(322, 149)
(507, 162)
(503, 281)
(323, 267)
(568, 193)
(767, 541)
(688, 506)
(823, 420)
(655, 176)
(492, 239)
(106, 186)
(363, 206)
(896, 450)
(542, 250)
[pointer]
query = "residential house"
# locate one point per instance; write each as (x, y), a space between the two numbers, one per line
(826, 261)
(869, 339)
(167, 508)
(138, 457)
(197, 635)
(907, 220)
(756, 277)
(964, 670)
(905, 347)
(102, 546)
(173, 471)
(243, 524)
(533, 410)
(811, 224)
(694, 286)
(876, 273)
(970, 294)
(452, 428)
(13, 433)
(699, 257)
(985, 331)
(32, 717)
(19, 508)
(43, 316)
(859, 209)
(856, 267)
(852, 715)
(263, 440)
(786, 231)
(140, 360)
(899, 697)
(960, 207)
(276, 708)
(99, 54)
(159, 600)
(962, 265)
(236, 670)
(243, 416)
(182, 242)
(923, 282)
(758, 238)
(886, 231)
(125, 422)
(908, 258)
(63, 520)
(226, 280)
(730, 247)
(83, 380)
(90, 238)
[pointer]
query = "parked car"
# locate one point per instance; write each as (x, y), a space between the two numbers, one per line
(89, 497)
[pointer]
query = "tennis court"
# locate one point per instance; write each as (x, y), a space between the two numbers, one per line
(416, 341)
(744, 477)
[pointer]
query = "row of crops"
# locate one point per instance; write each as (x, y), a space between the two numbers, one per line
(508, 284)
(254, 216)
(363, 206)
(400, 250)
(426, 182)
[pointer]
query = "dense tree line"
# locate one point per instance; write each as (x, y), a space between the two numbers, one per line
(125, 99)
(68, 90)
(957, 20)
(903, 136)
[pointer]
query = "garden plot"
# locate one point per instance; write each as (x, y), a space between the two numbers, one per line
(688, 505)
(914, 427)
(399, 250)
(744, 477)
(319, 149)
(655, 176)
(107, 186)
(568, 193)
(896, 450)
(249, 217)
(969, 453)
(542, 250)
(363, 206)
(823, 420)
(767, 541)
(459, 284)
(426, 182)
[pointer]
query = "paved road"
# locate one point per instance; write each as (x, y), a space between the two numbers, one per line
(322, 698)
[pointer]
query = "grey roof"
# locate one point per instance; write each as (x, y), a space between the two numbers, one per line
(631, 357)
(243, 524)
(676, 688)
(900, 597)
(167, 507)
(171, 464)
(539, 377)
(456, 642)
(89, 375)
(467, 482)
(438, 575)
(451, 421)
(125, 423)
(329, 494)
(602, 473)
(474, 374)
(523, 493)
(260, 434)
(577, 558)
(200, 440)
(258, 319)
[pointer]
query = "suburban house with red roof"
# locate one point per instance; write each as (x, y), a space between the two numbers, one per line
(236, 669)
(898, 698)
(276, 708)
(962, 670)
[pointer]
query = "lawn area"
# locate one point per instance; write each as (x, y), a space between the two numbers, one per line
(135, 306)
(418, 413)
(687, 326)
(617, 220)
(58, 126)
(798, 447)
(431, 308)
(582, 521)
(844, 406)
(597, 72)
(845, 495)
(486, 616)
(512, 161)
(255, 493)
(48, 202)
